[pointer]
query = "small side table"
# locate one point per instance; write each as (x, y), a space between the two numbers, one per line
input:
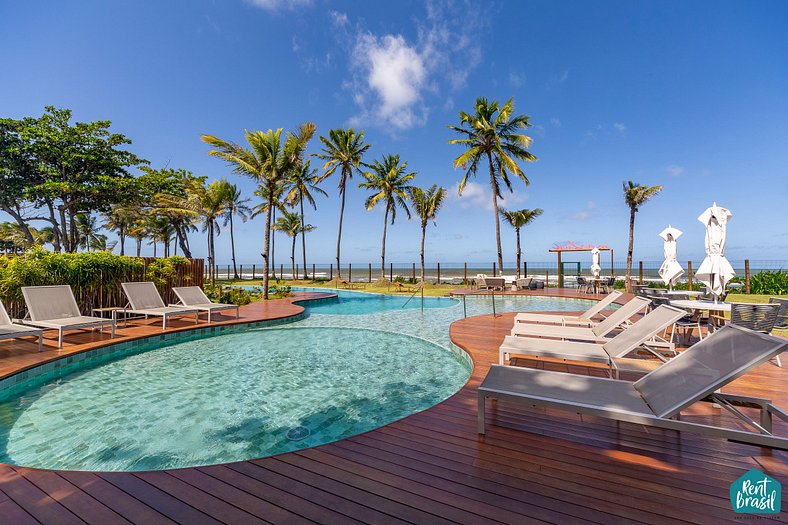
(113, 311)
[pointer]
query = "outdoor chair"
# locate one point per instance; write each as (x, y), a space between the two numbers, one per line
(54, 307)
(582, 284)
(194, 297)
(536, 285)
(584, 319)
(144, 299)
(658, 398)
(692, 320)
(523, 283)
(11, 330)
(612, 353)
(758, 317)
(596, 332)
(782, 312)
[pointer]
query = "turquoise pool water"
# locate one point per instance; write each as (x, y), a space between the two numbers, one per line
(354, 364)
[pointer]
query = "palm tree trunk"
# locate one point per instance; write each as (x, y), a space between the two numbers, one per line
(383, 246)
(122, 235)
(139, 246)
(154, 246)
(519, 253)
(183, 240)
(266, 275)
(210, 253)
(273, 241)
(341, 213)
(497, 217)
(423, 235)
(303, 235)
(232, 246)
(630, 248)
(292, 257)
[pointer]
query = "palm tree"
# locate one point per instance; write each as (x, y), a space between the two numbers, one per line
(138, 231)
(158, 228)
(298, 187)
(87, 231)
(290, 224)
(268, 161)
(210, 204)
(517, 219)
(491, 134)
(343, 150)
(262, 208)
(389, 184)
(635, 195)
(426, 204)
(234, 204)
(120, 218)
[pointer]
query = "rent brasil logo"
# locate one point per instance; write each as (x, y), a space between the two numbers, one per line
(756, 493)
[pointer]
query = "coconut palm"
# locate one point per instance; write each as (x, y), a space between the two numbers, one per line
(343, 150)
(262, 208)
(389, 184)
(234, 204)
(268, 161)
(119, 219)
(290, 224)
(298, 187)
(426, 204)
(87, 231)
(491, 134)
(210, 205)
(635, 195)
(517, 219)
(158, 228)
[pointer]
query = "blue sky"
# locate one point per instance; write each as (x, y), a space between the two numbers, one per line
(691, 95)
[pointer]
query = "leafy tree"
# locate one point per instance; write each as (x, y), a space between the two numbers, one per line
(635, 195)
(268, 161)
(78, 168)
(234, 204)
(343, 150)
(170, 193)
(298, 187)
(389, 184)
(290, 224)
(426, 205)
(491, 134)
(517, 219)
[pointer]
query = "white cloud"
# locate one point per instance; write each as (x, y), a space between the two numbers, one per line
(585, 213)
(674, 170)
(396, 81)
(476, 195)
(338, 19)
(563, 76)
(516, 79)
(555, 122)
(280, 5)
(620, 127)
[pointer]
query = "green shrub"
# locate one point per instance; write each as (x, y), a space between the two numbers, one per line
(767, 282)
(279, 292)
(232, 294)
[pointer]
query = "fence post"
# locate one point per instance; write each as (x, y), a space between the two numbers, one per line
(689, 275)
(547, 278)
(493, 270)
(295, 277)
(414, 272)
(640, 272)
(525, 269)
(242, 272)
(331, 272)
(746, 276)
(281, 271)
(253, 269)
(439, 273)
(313, 271)
(465, 274)
(349, 273)
(228, 272)
(369, 273)
(391, 271)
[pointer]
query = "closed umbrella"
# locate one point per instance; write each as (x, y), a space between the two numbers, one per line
(596, 268)
(715, 270)
(671, 270)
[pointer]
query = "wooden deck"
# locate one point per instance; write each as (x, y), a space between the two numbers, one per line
(533, 466)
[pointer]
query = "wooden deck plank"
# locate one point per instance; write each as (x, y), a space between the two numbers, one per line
(37, 503)
(13, 513)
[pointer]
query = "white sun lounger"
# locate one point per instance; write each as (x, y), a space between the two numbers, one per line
(612, 353)
(595, 333)
(194, 297)
(658, 398)
(144, 299)
(54, 307)
(584, 319)
(11, 330)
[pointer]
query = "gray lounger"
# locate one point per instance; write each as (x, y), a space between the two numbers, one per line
(584, 319)
(611, 353)
(597, 332)
(144, 299)
(54, 307)
(194, 297)
(658, 398)
(10, 330)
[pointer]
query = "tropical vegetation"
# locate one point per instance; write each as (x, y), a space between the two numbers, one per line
(517, 219)
(635, 195)
(426, 204)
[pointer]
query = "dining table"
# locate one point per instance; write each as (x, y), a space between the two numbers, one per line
(703, 306)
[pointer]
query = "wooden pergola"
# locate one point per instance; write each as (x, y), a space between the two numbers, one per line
(572, 247)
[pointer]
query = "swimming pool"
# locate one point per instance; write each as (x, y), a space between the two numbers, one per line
(251, 392)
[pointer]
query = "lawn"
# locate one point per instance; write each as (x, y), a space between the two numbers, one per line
(430, 289)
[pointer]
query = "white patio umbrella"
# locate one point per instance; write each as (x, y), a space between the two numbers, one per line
(596, 268)
(715, 270)
(671, 270)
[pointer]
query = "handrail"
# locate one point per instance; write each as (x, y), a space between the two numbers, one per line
(413, 294)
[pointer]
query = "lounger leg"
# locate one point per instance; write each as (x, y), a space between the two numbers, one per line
(113, 328)
(237, 312)
(209, 316)
(197, 317)
(480, 416)
(41, 341)
(163, 322)
(60, 338)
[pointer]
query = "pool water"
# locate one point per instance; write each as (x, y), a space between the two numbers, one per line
(353, 364)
